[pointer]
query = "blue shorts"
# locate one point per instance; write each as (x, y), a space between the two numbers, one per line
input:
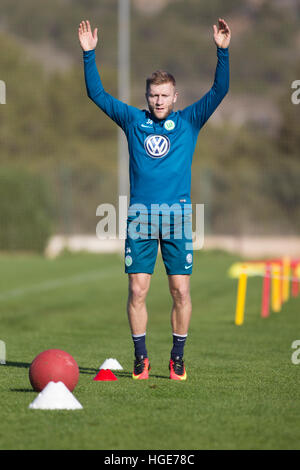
(172, 232)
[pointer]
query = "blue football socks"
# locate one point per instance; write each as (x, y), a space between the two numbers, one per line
(178, 346)
(139, 342)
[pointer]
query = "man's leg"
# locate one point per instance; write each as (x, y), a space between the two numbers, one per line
(179, 285)
(138, 286)
(180, 319)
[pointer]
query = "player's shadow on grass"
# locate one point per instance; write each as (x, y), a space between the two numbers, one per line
(87, 370)
(30, 390)
(25, 365)
(82, 370)
(117, 373)
(129, 374)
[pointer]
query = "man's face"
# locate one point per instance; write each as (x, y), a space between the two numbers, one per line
(161, 99)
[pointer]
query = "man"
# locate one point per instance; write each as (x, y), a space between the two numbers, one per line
(161, 144)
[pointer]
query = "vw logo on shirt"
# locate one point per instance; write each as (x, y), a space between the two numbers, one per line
(157, 146)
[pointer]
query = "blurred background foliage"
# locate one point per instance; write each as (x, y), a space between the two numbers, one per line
(246, 166)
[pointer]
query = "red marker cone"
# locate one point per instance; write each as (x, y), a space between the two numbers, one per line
(105, 374)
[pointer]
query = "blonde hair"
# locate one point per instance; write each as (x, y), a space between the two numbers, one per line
(158, 77)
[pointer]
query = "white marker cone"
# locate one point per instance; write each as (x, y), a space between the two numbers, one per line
(111, 364)
(55, 396)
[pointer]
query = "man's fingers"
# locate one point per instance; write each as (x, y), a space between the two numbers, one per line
(83, 26)
(95, 33)
(223, 25)
(80, 31)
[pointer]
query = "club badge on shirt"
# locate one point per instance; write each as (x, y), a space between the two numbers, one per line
(169, 125)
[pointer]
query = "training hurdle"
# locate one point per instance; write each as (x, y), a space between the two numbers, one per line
(280, 276)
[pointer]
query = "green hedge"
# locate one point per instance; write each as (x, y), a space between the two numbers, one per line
(25, 211)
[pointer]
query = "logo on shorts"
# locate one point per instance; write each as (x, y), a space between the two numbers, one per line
(189, 258)
(157, 146)
(169, 125)
(128, 260)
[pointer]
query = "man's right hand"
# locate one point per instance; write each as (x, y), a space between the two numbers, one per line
(87, 39)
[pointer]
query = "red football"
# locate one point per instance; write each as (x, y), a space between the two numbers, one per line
(53, 365)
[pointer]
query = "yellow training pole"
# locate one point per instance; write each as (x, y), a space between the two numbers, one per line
(241, 298)
(286, 279)
(276, 294)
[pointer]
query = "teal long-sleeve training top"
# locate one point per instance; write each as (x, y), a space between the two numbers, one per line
(160, 151)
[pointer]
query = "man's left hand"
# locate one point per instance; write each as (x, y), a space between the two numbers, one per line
(222, 34)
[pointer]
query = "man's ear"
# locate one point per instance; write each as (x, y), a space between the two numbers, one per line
(175, 96)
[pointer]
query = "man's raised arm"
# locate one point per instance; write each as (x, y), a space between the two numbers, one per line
(199, 112)
(119, 112)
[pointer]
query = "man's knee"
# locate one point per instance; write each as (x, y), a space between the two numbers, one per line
(180, 293)
(138, 289)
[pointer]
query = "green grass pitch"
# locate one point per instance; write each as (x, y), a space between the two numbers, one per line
(242, 390)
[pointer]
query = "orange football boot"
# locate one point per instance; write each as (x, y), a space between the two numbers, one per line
(177, 369)
(141, 368)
